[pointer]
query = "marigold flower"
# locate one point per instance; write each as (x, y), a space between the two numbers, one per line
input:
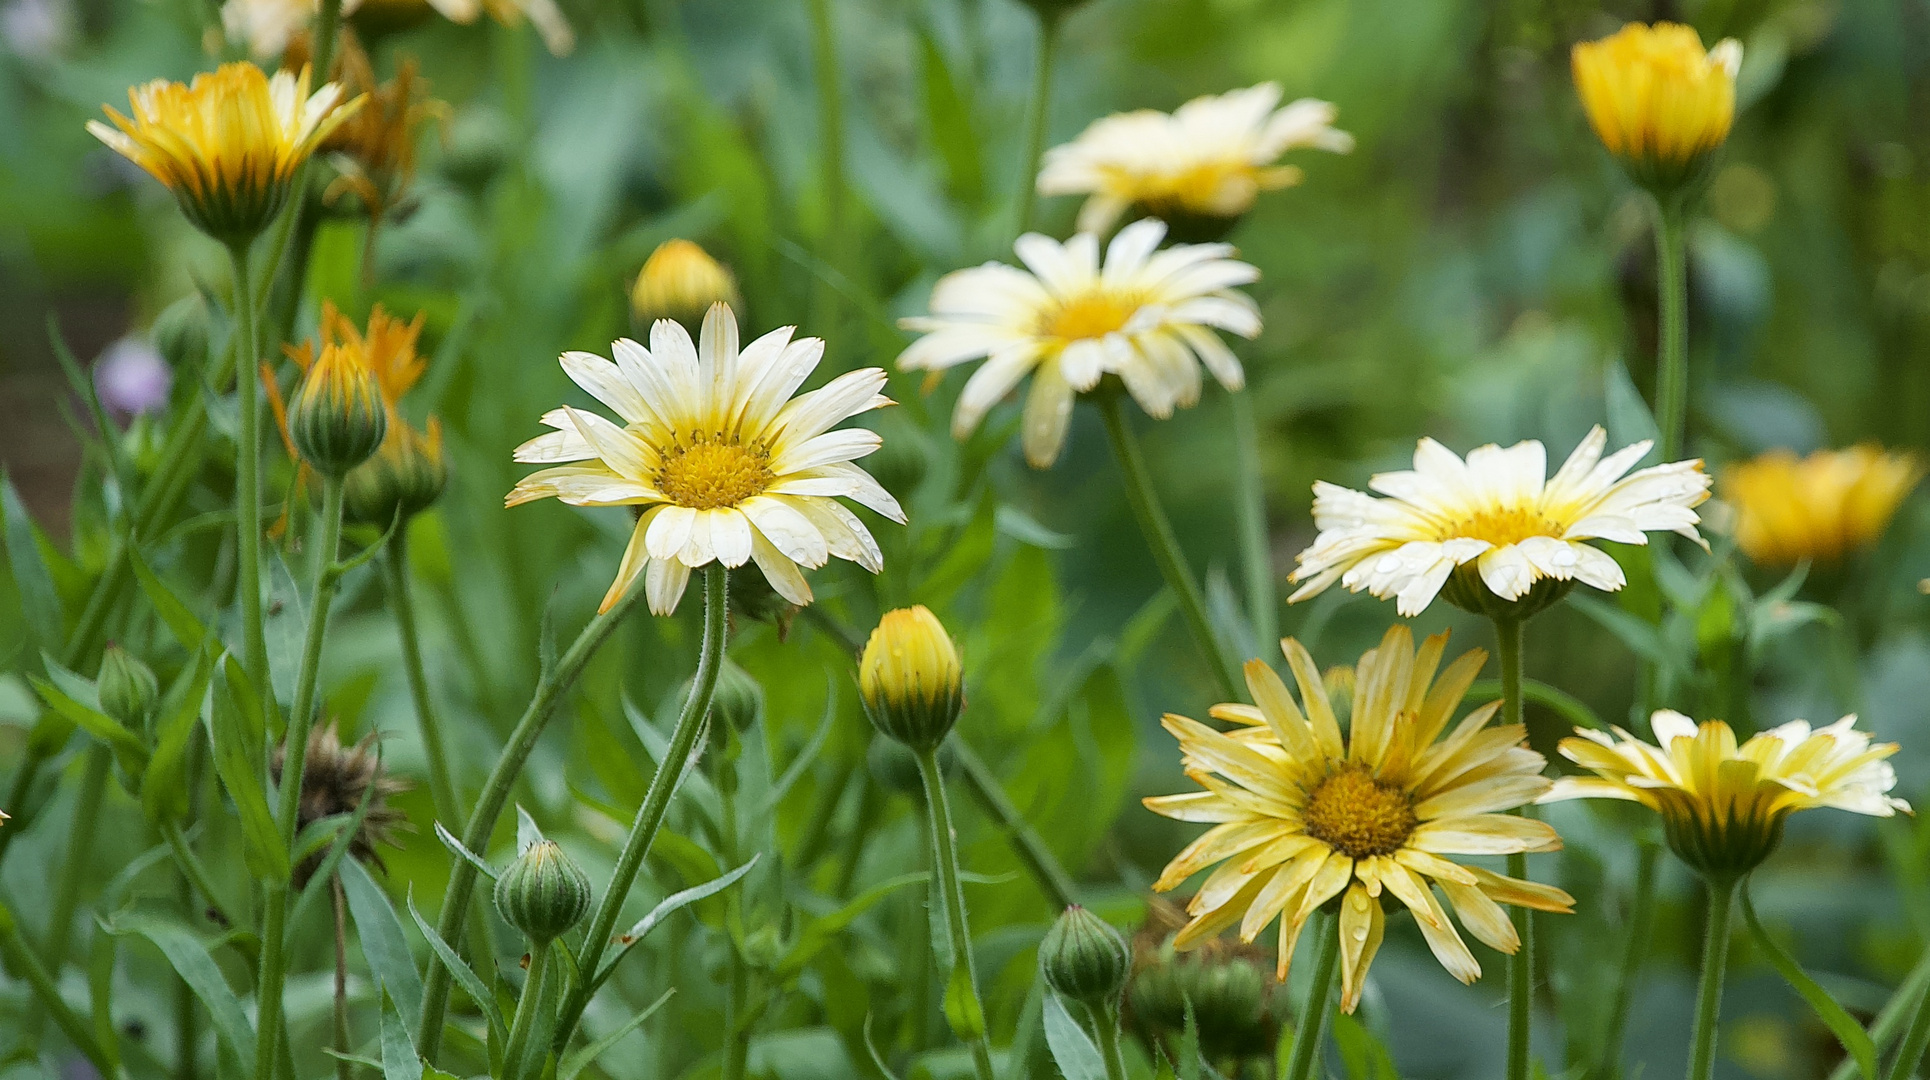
(730, 467)
(227, 144)
(1206, 161)
(910, 678)
(1723, 806)
(1302, 815)
(1821, 507)
(680, 281)
(1496, 524)
(1657, 101)
(1145, 316)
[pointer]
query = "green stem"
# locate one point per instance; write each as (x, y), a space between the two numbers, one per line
(1708, 998)
(1313, 1015)
(301, 718)
(1250, 507)
(1036, 120)
(339, 908)
(1165, 546)
(1672, 345)
(1105, 1028)
(1891, 1018)
(938, 813)
(442, 789)
(824, 62)
(22, 961)
(495, 793)
(328, 23)
(186, 1037)
(1914, 1043)
(1641, 923)
(248, 481)
(196, 874)
(1039, 861)
(656, 800)
(1521, 966)
(80, 845)
(526, 1007)
(737, 1024)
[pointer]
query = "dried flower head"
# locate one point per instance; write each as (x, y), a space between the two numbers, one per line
(336, 779)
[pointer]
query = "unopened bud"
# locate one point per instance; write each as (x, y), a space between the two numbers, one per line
(1084, 958)
(127, 687)
(337, 418)
(405, 476)
(543, 893)
(681, 281)
(910, 678)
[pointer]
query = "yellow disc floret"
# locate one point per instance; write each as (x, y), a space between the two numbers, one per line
(714, 472)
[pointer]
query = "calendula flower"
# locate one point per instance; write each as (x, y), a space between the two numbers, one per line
(910, 678)
(375, 149)
(1499, 514)
(1821, 507)
(680, 281)
(1723, 805)
(1209, 159)
(227, 144)
(1145, 316)
(1302, 815)
(1657, 101)
(730, 467)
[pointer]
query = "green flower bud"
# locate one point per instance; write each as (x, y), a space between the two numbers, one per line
(337, 418)
(543, 893)
(910, 678)
(406, 475)
(1084, 958)
(738, 700)
(751, 597)
(127, 687)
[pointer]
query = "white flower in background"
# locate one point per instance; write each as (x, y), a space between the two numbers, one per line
(731, 467)
(131, 377)
(1145, 315)
(1499, 511)
(1211, 157)
(266, 26)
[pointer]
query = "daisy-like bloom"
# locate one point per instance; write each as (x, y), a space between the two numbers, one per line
(1657, 101)
(1145, 316)
(1821, 507)
(1501, 516)
(1302, 815)
(730, 467)
(228, 143)
(1723, 805)
(1209, 159)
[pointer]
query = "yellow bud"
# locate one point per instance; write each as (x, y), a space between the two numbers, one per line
(1659, 102)
(406, 475)
(910, 678)
(337, 418)
(680, 281)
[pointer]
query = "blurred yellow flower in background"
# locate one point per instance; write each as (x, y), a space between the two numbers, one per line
(1657, 101)
(1208, 159)
(1821, 507)
(1723, 805)
(1302, 815)
(227, 144)
(680, 281)
(375, 148)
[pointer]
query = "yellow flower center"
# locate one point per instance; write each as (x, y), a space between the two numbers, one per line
(1091, 315)
(1502, 526)
(713, 473)
(1358, 815)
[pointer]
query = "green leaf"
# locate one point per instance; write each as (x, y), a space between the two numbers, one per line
(581, 1060)
(1072, 1048)
(383, 942)
(464, 975)
(399, 1059)
(950, 119)
(962, 1009)
(1641, 638)
(191, 961)
(528, 833)
(241, 775)
(164, 786)
(666, 907)
(1364, 1055)
(819, 932)
(244, 695)
(39, 600)
(180, 621)
(127, 747)
(457, 849)
(1848, 1032)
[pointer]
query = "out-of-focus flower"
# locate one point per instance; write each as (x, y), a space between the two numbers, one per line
(1821, 507)
(266, 27)
(1495, 525)
(227, 144)
(1146, 316)
(269, 27)
(680, 281)
(1302, 815)
(37, 31)
(910, 678)
(131, 377)
(406, 476)
(1219, 991)
(1657, 101)
(339, 414)
(336, 779)
(730, 466)
(1723, 806)
(1205, 162)
(375, 148)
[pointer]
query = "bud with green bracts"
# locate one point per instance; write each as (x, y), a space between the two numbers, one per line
(543, 893)
(911, 679)
(127, 688)
(337, 418)
(1085, 959)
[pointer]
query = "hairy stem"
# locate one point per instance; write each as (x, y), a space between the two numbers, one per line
(1105, 1028)
(1708, 997)
(1672, 345)
(254, 641)
(1313, 1015)
(938, 813)
(1521, 966)
(338, 905)
(526, 1006)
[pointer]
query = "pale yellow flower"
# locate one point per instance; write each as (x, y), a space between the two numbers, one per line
(1302, 814)
(680, 281)
(1821, 507)
(1656, 100)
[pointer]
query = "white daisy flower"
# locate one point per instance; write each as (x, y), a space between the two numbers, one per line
(1211, 157)
(1146, 316)
(730, 465)
(1499, 511)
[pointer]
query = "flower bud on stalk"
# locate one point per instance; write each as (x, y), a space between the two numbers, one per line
(680, 281)
(405, 476)
(543, 893)
(1658, 102)
(337, 418)
(910, 679)
(127, 687)
(1085, 959)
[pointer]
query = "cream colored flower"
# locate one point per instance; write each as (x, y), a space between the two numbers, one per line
(1211, 157)
(1500, 512)
(731, 467)
(1302, 815)
(1145, 315)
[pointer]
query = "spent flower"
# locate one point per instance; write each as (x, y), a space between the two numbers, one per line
(1657, 100)
(1820, 508)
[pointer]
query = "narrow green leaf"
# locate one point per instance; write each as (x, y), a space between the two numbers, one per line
(581, 1060)
(1072, 1048)
(528, 833)
(191, 961)
(39, 600)
(666, 907)
(962, 1009)
(180, 621)
(241, 775)
(383, 942)
(399, 1059)
(457, 849)
(1848, 1032)
(950, 119)
(164, 787)
(819, 932)
(460, 970)
(871, 1047)
(127, 747)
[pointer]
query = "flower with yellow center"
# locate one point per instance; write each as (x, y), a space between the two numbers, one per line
(227, 144)
(1147, 316)
(1206, 161)
(1657, 101)
(1821, 507)
(730, 467)
(1500, 514)
(1723, 805)
(1302, 814)
(680, 281)
(910, 678)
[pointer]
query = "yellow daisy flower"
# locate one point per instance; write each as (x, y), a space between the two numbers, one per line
(1723, 805)
(1500, 513)
(1208, 159)
(1656, 100)
(1144, 315)
(1821, 507)
(730, 466)
(1303, 814)
(228, 143)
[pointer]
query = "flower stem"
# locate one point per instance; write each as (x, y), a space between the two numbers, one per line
(1105, 1028)
(526, 1006)
(1313, 1015)
(442, 789)
(824, 62)
(328, 22)
(495, 793)
(1521, 966)
(24, 964)
(1914, 1043)
(339, 907)
(1165, 546)
(1641, 922)
(1250, 508)
(990, 795)
(1672, 345)
(254, 642)
(938, 813)
(1035, 123)
(656, 801)
(1708, 998)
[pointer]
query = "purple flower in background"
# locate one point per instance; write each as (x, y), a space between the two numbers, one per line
(38, 30)
(132, 378)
